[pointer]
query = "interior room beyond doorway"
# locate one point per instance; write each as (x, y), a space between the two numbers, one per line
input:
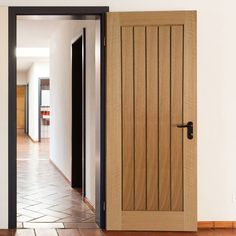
(44, 169)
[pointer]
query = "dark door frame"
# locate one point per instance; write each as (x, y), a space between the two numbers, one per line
(78, 13)
(78, 177)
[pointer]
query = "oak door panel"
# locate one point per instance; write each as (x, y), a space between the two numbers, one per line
(151, 90)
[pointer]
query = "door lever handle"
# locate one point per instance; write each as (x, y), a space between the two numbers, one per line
(189, 127)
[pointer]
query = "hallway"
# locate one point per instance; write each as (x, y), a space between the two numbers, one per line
(44, 197)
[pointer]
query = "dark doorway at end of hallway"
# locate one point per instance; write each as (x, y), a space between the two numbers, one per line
(78, 113)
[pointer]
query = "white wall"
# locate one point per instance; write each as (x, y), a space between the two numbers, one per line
(216, 96)
(92, 106)
(36, 71)
(4, 118)
(61, 114)
(22, 78)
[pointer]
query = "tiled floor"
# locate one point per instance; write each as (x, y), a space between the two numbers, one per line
(44, 197)
(47, 206)
(97, 232)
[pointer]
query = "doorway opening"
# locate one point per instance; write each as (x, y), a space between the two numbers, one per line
(78, 113)
(21, 106)
(44, 109)
(34, 200)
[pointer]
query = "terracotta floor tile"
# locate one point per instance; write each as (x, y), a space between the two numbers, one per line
(91, 232)
(79, 212)
(43, 194)
(68, 232)
(54, 213)
(59, 208)
(71, 220)
(97, 232)
(6, 232)
(81, 226)
(89, 220)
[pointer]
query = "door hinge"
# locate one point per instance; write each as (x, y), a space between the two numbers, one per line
(104, 206)
(104, 41)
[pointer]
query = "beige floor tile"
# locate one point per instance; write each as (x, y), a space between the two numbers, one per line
(24, 232)
(43, 194)
(43, 225)
(45, 219)
(46, 232)
(23, 218)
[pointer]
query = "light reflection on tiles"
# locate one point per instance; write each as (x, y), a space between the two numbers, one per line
(44, 198)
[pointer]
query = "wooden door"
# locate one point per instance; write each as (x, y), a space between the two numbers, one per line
(151, 88)
(20, 107)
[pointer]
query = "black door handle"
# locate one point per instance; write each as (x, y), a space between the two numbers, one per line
(189, 127)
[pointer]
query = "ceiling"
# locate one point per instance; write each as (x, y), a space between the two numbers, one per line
(34, 33)
(23, 64)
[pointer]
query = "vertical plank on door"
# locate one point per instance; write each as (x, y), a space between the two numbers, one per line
(164, 118)
(152, 117)
(140, 117)
(176, 118)
(127, 118)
